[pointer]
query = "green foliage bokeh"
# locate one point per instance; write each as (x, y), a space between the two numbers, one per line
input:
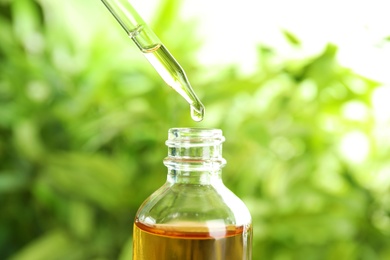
(83, 120)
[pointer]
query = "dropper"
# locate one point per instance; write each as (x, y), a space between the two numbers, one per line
(153, 49)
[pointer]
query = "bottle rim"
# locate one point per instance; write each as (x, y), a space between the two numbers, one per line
(196, 136)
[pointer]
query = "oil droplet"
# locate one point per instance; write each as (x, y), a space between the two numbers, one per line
(197, 113)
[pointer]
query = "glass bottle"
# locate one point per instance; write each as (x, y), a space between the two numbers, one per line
(193, 215)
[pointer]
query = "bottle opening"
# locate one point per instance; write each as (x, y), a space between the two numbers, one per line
(195, 149)
(194, 137)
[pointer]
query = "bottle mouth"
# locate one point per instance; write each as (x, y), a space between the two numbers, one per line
(195, 149)
(191, 137)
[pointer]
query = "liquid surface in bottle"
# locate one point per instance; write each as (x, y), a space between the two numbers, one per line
(183, 241)
(172, 73)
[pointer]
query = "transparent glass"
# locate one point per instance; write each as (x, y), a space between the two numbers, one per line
(193, 215)
(156, 53)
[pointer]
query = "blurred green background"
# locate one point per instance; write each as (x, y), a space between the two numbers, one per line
(84, 118)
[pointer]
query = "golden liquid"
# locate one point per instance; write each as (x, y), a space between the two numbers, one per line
(171, 242)
(172, 73)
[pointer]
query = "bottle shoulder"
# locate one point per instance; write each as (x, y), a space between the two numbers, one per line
(174, 203)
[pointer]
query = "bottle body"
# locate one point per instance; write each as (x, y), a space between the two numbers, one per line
(193, 215)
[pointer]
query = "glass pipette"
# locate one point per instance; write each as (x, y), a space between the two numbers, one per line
(153, 49)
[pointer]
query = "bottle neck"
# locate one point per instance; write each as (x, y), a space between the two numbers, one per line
(194, 177)
(194, 155)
